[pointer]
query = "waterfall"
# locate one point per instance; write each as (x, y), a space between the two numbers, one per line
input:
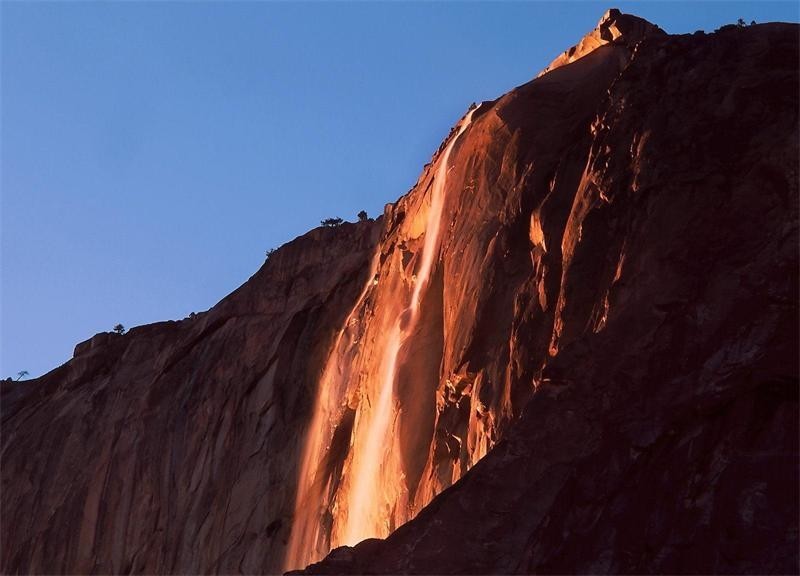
(307, 540)
(372, 486)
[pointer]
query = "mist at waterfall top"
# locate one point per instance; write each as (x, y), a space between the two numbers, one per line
(152, 152)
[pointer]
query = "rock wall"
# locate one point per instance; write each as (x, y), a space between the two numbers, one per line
(661, 333)
(173, 448)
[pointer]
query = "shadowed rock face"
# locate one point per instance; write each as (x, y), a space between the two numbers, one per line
(172, 448)
(606, 351)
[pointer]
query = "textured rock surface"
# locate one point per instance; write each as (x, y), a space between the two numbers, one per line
(173, 448)
(663, 259)
(608, 340)
(493, 308)
(613, 28)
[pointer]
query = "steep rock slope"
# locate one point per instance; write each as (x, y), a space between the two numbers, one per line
(171, 449)
(657, 315)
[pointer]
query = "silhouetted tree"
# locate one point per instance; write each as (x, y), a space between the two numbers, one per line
(362, 216)
(21, 374)
(741, 23)
(270, 252)
(119, 329)
(331, 222)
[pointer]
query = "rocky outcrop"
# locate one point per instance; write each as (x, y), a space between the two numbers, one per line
(585, 312)
(615, 28)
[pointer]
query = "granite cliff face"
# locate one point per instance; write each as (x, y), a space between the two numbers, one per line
(571, 347)
(171, 449)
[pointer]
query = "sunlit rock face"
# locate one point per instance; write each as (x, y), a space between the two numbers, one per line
(449, 339)
(571, 347)
(613, 28)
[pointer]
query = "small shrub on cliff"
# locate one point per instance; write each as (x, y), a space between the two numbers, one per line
(119, 329)
(331, 222)
(362, 216)
(270, 252)
(740, 23)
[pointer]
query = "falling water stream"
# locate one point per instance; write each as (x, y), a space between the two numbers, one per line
(307, 540)
(372, 484)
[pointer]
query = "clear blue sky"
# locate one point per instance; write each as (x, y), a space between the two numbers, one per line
(152, 152)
